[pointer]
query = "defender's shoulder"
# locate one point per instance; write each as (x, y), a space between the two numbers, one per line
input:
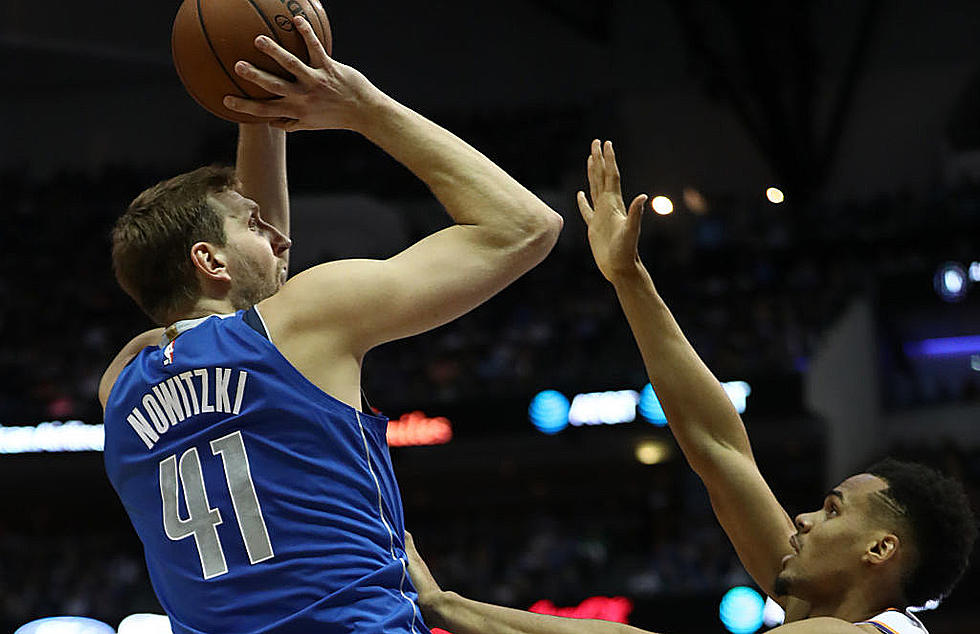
(129, 351)
(820, 625)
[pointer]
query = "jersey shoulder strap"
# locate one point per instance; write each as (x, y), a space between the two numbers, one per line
(255, 321)
(893, 621)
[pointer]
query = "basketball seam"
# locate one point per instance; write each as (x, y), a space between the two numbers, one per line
(221, 65)
(272, 29)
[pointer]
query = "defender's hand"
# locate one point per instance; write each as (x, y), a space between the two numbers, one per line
(613, 231)
(325, 95)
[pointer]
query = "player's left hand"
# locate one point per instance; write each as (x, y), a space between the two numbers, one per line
(429, 591)
(613, 230)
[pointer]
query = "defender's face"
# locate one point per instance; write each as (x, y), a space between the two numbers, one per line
(830, 543)
(257, 250)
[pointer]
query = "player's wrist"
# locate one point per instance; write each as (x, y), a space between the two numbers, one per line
(627, 273)
(440, 606)
(376, 115)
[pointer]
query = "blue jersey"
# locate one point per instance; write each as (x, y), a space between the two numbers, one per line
(263, 503)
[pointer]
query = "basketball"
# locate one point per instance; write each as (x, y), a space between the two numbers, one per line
(210, 36)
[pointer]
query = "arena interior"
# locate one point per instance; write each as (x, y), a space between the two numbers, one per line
(822, 254)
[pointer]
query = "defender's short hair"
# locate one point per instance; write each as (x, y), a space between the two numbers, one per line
(151, 241)
(943, 528)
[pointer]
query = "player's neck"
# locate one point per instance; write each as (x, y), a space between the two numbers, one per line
(857, 604)
(205, 307)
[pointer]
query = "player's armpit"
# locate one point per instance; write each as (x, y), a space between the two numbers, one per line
(757, 525)
(819, 625)
(368, 302)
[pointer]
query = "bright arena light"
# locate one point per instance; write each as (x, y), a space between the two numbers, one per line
(145, 624)
(662, 205)
(694, 201)
(549, 411)
(951, 282)
(741, 610)
(65, 625)
(775, 195)
(651, 452)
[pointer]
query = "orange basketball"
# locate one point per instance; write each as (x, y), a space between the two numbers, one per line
(209, 36)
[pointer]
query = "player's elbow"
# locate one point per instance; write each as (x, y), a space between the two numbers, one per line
(539, 233)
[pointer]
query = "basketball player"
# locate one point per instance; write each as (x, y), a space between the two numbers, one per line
(895, 536)
(236, 438)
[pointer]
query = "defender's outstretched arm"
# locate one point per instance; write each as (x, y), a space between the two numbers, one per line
(701, 417)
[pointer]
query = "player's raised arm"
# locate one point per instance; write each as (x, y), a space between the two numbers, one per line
(501, 230)
(260, 167)
(702, 419)
(460, 615)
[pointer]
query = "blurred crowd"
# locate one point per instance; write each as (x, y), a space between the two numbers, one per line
(754, 286)
(651, 540)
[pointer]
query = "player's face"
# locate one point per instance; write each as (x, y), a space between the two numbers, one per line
(256, 249)
(830, 543)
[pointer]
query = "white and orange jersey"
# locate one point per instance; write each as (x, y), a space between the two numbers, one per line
(894, 621)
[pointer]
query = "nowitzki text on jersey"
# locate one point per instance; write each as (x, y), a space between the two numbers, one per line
(170, 402)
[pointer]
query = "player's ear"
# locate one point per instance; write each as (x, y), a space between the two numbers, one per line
(210, 261)
(882, 549)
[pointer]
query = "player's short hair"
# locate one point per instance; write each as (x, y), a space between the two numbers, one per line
(151, 241)
(936, 514)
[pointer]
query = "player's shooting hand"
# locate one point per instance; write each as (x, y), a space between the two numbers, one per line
(325, 95)
(429, 591)
(613, 230)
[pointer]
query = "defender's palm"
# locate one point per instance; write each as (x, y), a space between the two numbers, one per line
(613, 230)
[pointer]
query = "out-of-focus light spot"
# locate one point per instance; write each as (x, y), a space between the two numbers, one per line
(953, 281)
(773, 614)
(694, 201)
(610, 408)
(943, 346)
(950, 282)
(65, 625)
(741, 610)
(651, 452)
(975, 363)
(662, 205)
(650, 408)
(549, 411)
(975, 271)
(775, 195)
(738, 392)
(145, 624)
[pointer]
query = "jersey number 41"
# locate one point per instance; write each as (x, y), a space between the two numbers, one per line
(202, 520)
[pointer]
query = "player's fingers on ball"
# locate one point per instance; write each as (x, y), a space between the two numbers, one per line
(268, 81)
(283, 57)
(318, 56)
